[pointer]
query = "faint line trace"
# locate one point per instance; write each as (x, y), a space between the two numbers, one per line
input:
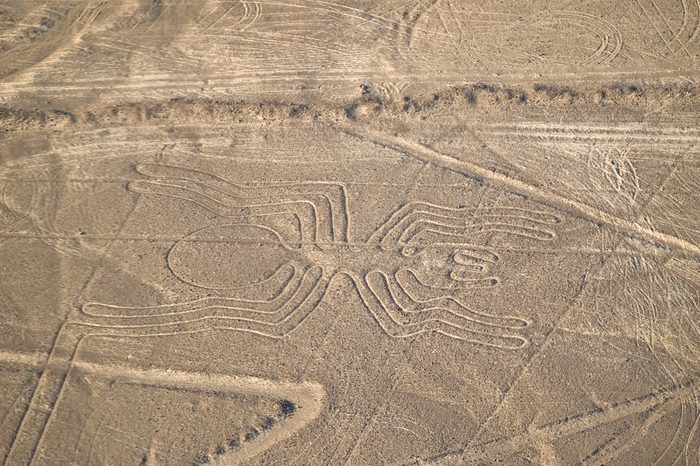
(407, 272)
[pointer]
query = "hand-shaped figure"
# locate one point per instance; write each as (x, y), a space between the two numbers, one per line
(407, 272)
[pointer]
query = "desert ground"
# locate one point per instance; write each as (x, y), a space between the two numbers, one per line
(363, 232)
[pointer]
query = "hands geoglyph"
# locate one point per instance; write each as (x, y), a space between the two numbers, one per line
(406, 273)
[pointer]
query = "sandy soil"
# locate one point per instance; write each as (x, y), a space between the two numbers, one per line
(360, 232)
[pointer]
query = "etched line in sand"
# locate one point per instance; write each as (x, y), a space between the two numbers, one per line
(464, 167)
(322, 205)
(426, 252)
(415, 229)
(419, 243)
(663, 399)
(414, 218)
(401, 315)
(306, 398)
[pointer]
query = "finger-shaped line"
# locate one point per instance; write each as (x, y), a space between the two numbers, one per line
(216, 206)
(319, 203)
(177, 191)
(412, 224)
(469, 256)
(471, 279)
(163, 171)
(385, 312)
(404, 215)
(430, 324)
(414, 312)
(451, 304)
(332, 196)
(459, 233)
(210, 317)
(450, 283)
(474, 269)
(517, 230)
(293, 319)
(472, 263)
(481, 220)
(292, 284)
(533, 215)
(212, 200)
(502, 342)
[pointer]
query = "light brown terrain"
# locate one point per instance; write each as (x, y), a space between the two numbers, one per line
(315, 232)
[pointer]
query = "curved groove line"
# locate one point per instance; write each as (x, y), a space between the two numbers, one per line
(464, 167)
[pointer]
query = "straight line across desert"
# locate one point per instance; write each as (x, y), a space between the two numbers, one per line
(350, 232)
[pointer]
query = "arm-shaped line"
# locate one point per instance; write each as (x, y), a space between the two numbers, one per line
(333, 196)
(304, 210)
(458, 228)
(516, 221)
(297, 303)
(329, 199)
(456, 280)
(471, 265)
(443, 307)
(401, 319)
(437, 299)
(288, 274)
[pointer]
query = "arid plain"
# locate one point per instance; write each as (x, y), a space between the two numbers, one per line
(311, 232)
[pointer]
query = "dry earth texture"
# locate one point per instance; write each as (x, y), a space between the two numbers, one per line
(320, 232)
